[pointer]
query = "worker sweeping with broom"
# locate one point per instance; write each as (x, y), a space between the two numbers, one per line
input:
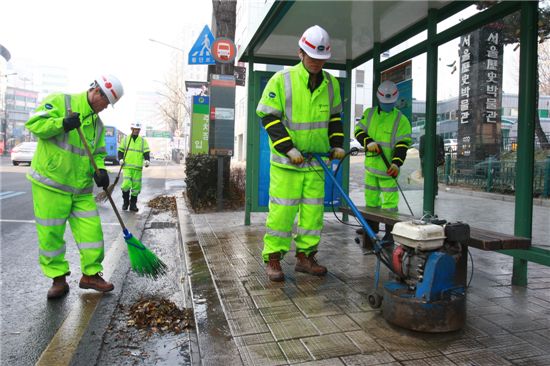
(61, 174)
(132, 162)
(70, 153)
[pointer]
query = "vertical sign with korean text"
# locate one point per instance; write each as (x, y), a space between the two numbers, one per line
(493, 75)
(200, 125)
(480, 93)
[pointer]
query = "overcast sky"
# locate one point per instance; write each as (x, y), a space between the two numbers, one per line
(101, 36)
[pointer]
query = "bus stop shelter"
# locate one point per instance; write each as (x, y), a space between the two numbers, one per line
(362, 31)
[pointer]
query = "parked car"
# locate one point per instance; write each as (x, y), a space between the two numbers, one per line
(23, 152)
(450, 145)
(354, 143)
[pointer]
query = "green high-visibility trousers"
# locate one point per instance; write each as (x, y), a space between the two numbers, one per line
(131, 181)
(292, 192)
(52, 210)
(381, 192)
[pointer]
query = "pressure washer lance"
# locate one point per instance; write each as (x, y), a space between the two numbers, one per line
(397, 182)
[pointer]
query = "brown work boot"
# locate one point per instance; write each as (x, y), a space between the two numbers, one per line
(273, 269)
(96, 282)
(308, 264)
(59, 288)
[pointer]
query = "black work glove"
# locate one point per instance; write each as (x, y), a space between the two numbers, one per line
(102, 179)
(71, 122)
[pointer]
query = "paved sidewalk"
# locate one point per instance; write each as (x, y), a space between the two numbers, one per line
(327, 321)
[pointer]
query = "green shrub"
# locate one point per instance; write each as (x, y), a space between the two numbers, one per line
(202, 178)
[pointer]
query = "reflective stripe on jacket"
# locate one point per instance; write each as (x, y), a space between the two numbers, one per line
(305, 114)
(386, 129)
(136, 149)
(60, 161)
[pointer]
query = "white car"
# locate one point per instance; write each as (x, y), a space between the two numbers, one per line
(354, 143)
(450, 145)
(23, 152)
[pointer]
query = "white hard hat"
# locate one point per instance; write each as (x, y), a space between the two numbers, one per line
(136, 125)
(111, 87)
(387, 92)
(316, 43)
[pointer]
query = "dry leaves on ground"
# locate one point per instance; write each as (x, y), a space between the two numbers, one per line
(163, 203)
(157, 315)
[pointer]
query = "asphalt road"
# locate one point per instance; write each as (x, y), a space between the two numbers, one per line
(29, 320)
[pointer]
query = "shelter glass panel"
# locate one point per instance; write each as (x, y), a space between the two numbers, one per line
(457, 18)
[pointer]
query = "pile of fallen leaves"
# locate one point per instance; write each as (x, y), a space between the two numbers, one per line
(163, 203)
(156, 315)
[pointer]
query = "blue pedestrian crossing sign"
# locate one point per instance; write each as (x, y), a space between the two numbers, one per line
(200, 53)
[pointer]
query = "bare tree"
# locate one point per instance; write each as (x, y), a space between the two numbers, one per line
(544, 68)
(174, 107)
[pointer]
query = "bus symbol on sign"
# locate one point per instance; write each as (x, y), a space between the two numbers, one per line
(223, 50)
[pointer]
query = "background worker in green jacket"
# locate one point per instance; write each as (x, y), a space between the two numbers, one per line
(300, 110)
(136, 158)
(383, 130)
(61, 175)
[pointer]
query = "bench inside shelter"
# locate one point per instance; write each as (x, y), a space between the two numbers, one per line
(517, 247)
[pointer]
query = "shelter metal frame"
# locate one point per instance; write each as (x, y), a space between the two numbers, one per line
(527, 84)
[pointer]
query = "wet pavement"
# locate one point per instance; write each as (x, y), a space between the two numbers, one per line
(242, 318)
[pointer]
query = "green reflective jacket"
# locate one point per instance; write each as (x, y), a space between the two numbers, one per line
(389, 130)
(134, 155)
(305, 115)
(60, 162)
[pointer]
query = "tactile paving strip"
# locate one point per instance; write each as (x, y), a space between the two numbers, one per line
(364, 342)
(249, 340)
(291, 329)
(478, 358)
(267, 354)
(270, 300)
(250, 325)
(317, 306)
(332, 345)
(295, 351)
(375, 358)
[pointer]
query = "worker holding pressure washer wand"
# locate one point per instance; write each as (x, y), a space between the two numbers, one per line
(384, 132)
(300, 110)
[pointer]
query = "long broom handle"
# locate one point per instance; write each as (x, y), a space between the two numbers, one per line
(123, 157)
(96, 169)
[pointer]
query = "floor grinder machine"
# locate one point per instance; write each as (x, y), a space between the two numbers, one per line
(426, 291)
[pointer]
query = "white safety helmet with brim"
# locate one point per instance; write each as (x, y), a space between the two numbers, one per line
(136, 125)
(111, 87)
(387, 92)
(316, 43)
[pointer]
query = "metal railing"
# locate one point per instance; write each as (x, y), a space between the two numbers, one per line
(493, 175)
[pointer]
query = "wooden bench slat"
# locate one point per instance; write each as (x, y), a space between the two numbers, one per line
(479, 238)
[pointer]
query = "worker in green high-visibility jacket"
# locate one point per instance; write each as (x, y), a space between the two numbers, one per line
(383, 130)
(300, 110)
(61, 174)
(137, 157)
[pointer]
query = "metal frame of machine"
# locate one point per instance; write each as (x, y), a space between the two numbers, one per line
(426, 293)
